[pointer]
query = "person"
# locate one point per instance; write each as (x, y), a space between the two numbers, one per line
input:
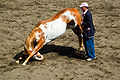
(88, 32)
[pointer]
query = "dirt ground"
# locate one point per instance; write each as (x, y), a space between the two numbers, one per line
(17, 19)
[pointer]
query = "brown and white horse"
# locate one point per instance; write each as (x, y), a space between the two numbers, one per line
(47, 30)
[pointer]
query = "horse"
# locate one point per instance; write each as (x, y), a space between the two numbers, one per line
(48, 30)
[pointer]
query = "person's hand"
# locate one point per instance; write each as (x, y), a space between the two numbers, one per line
(88, 28)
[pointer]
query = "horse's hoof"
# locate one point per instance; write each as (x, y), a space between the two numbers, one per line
(24, 63)
(17, 61)
(80, 49)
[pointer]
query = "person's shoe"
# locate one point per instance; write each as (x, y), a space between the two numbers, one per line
(95, 58)
(89, 59)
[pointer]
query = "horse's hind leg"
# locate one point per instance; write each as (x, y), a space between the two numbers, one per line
(38, 56)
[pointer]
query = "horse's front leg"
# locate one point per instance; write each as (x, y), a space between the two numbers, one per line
(80, 43)
(79, 33)
(35, 50)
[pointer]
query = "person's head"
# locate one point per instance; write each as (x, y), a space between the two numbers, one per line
(84, 6)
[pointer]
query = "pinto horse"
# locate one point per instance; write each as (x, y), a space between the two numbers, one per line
(47, 30)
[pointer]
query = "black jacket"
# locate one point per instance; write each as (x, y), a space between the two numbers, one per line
(88, 23)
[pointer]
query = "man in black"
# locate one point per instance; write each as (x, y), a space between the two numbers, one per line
(88, 32)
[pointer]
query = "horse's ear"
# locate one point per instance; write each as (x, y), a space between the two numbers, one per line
(71, 24)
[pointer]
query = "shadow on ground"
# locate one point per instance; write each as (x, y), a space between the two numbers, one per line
(60, 50)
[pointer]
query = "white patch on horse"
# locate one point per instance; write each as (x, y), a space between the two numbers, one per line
(56, 28)
(37, 28)
(37, 35)
(42, 39)
(38, 53)
(69, 15)
(30, 49)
